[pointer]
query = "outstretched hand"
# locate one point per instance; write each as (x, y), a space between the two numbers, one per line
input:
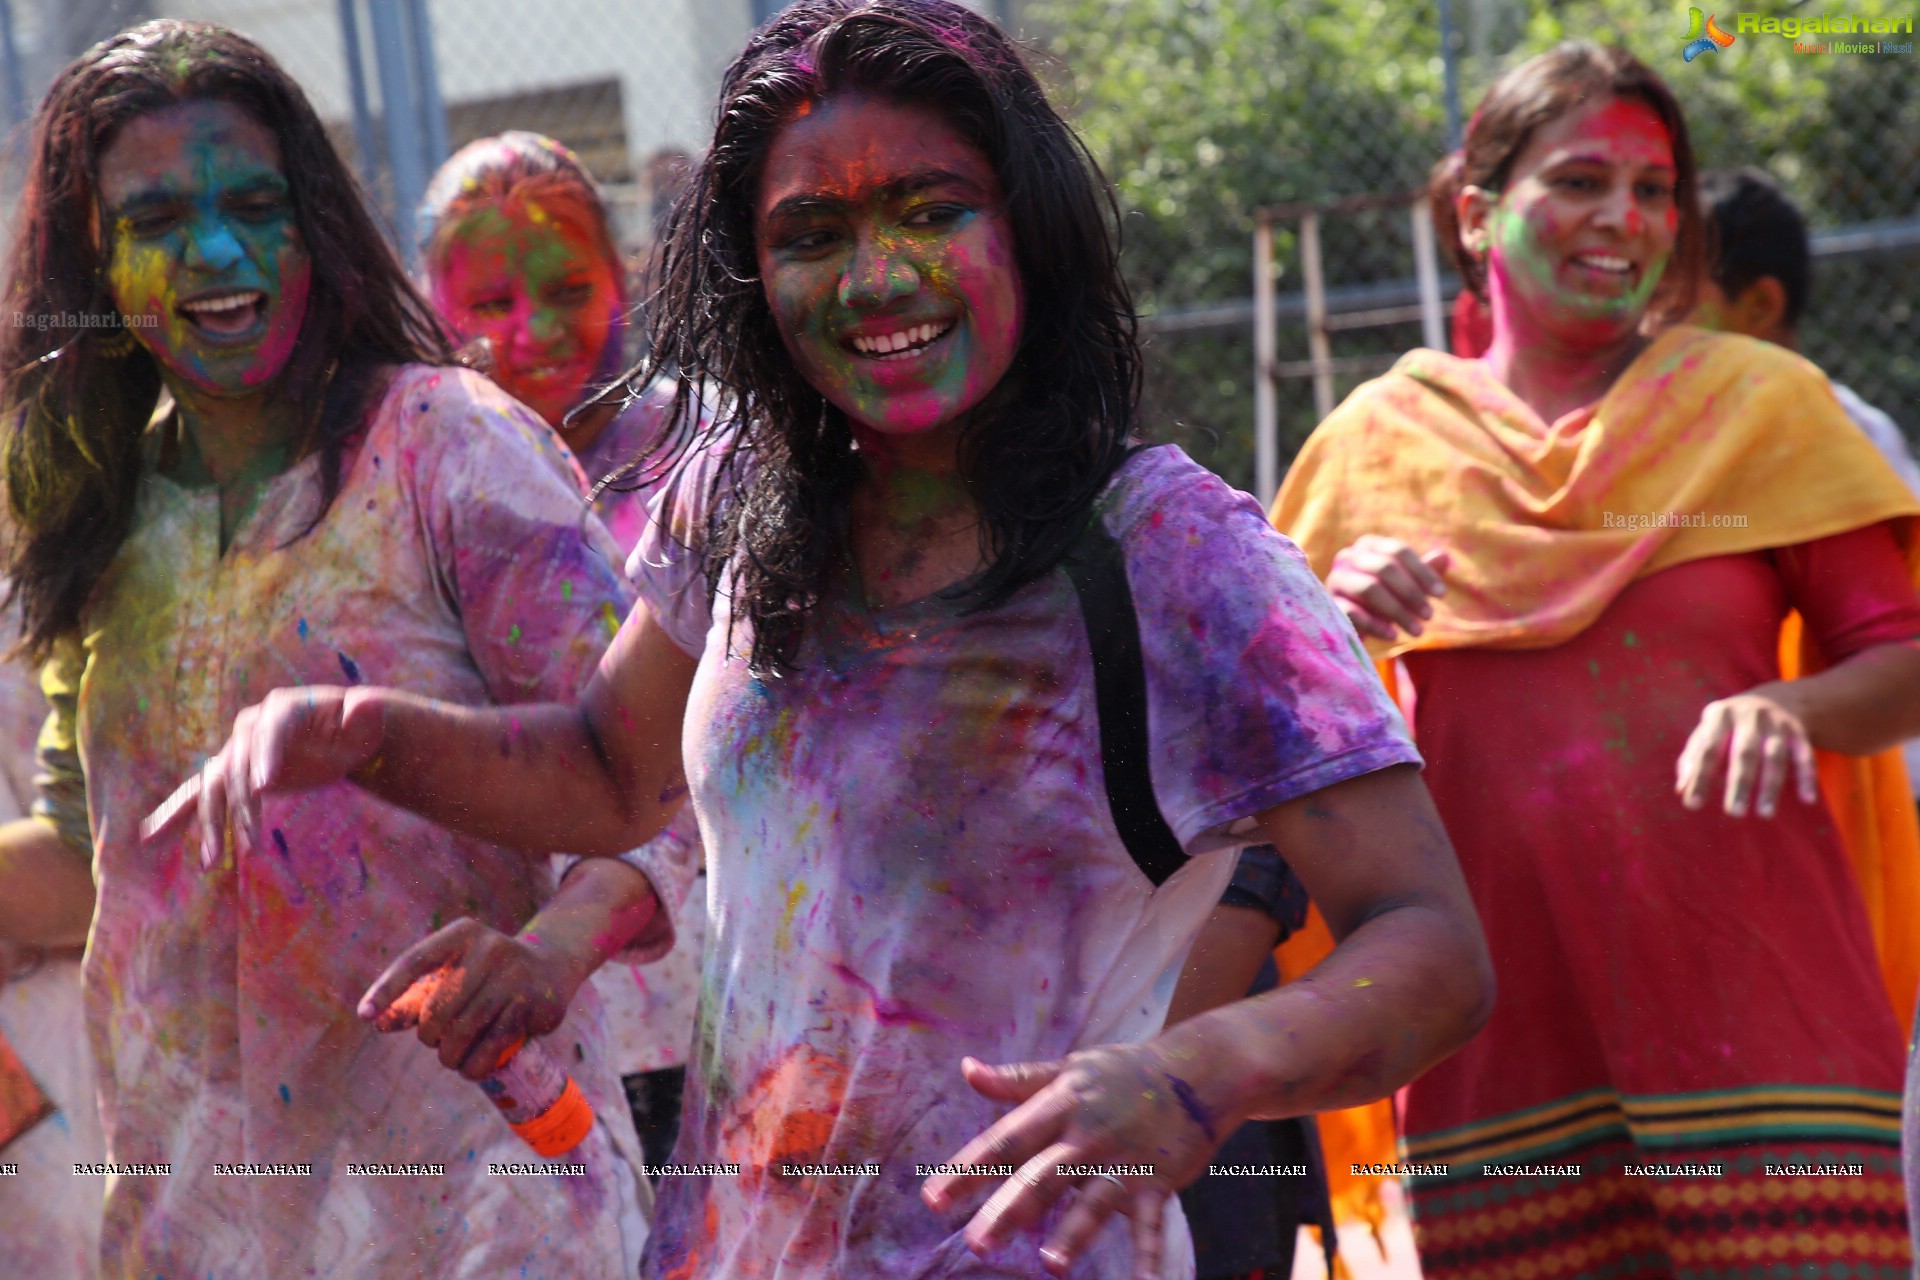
(1119, 1105)
(472, 992)
(292, 740)
(1753, 742)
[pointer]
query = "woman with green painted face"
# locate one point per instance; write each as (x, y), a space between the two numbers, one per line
(1636, 575)
(242, 459)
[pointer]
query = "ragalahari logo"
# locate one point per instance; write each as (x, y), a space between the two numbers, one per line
(1703, 36)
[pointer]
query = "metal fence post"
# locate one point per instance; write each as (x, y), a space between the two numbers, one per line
(1314, 283)
(1266, 349)
(1426, 268)
(426, 75)
(401, 109)
(357, 92)
(1450, 63)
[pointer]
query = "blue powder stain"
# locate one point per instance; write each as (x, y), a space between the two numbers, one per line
(286, 1094)
(376, 462)
(349, 667)
(280, 842)
(302, 628)
(1190, 1103)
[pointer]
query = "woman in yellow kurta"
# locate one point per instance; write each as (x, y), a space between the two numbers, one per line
(1583, 549)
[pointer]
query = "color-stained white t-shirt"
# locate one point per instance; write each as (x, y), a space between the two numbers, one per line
(911, 858)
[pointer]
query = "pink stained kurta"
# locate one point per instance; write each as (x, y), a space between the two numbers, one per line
(454, 563)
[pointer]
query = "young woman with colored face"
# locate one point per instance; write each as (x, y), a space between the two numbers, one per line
(931, 945)
(1583, 549)
(519, 255)
(321, 495)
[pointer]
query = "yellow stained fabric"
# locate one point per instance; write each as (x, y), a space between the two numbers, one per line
(1547, 523)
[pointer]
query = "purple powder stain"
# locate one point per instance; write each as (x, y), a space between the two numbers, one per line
(890, 1012)
(1190, 1103)
(348, 667)
(280, 842)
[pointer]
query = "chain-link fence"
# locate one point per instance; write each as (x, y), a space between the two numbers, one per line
(629, 84)
(1205, 112)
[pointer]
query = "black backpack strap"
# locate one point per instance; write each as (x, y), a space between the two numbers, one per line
(1097, 566)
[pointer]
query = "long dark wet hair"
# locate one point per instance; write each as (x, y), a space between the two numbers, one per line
(77, 400)
(1057, 426)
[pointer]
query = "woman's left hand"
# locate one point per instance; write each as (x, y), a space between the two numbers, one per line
(1754, 740)
(482, 991)
(1115, 1105)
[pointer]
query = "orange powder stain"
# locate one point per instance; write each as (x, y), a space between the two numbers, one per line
(787, 1114)
(695, 1261)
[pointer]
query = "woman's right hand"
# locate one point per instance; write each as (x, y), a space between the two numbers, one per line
(1382, 584)
(293, 740)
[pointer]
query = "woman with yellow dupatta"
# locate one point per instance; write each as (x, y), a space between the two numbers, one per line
(1583, 549)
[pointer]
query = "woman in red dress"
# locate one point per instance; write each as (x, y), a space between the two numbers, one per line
(1584, 546)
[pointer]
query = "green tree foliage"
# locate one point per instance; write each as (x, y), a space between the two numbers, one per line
(1202, 111)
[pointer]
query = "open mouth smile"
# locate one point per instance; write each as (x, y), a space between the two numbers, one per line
(1606, 265)
(903, 344)
(233, 313)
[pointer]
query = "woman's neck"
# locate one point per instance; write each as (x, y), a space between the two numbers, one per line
(1552, 376)
(914, 527)
(235, 445)
(235, 441)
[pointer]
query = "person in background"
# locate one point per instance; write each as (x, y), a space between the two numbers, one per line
(267, 471)
(1584, 550)
(1758, 280)
(521, 264)
(50, 1212)
(1246, 1219)
(937, 955)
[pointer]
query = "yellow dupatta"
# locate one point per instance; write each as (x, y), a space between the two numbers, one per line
(1708, 444)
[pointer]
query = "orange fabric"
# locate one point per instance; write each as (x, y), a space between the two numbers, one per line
(1438, 453)
(23, 1104)
(1358, 1135)
(1872, 803)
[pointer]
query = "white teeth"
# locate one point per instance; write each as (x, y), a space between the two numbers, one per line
(890, 343)
(222, 302)
(1604, 261)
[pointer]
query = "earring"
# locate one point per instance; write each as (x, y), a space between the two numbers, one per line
(116, 344)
